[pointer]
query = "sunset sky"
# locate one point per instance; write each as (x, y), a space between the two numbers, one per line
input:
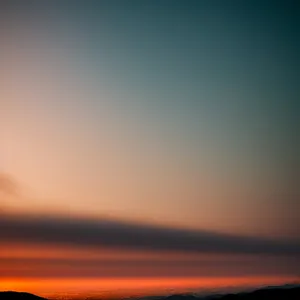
(148, 145)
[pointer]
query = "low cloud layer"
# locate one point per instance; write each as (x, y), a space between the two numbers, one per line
(109, 233)
(72, 268)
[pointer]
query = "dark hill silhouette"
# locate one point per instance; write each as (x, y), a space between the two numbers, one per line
(271, 293)
(181, 297)
(19, 296)
(266, 294)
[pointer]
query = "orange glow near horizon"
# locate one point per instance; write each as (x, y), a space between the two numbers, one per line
(110, 287)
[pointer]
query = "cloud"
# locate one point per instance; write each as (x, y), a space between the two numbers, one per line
(111, 233)
(85, 267)
(7, 185)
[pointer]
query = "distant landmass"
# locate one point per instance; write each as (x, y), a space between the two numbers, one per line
(19, 296)
(264, 294)
(289, 292)
(286, 292)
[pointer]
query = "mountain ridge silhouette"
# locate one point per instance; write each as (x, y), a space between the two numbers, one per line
(12, 295)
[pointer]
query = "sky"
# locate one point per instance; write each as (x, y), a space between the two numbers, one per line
(148, 142)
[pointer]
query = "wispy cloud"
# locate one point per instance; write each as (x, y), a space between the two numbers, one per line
(7, 185)
(112, 233)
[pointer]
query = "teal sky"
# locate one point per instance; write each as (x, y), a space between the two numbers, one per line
(180, 112)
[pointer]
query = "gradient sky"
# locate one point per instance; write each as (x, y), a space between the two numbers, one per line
(168, 113)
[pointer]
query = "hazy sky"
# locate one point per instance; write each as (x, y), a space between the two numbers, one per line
(178, 113)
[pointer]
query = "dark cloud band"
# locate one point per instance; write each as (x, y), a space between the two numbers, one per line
(110, 233)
